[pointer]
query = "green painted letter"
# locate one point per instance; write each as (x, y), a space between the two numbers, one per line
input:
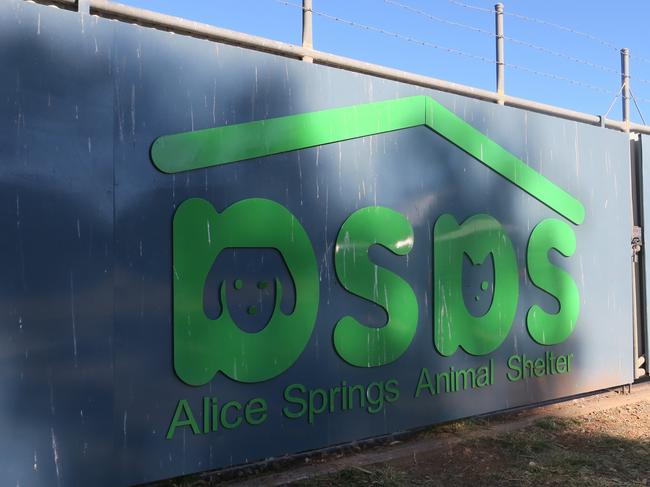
(202, 346)
(478, 237)
(182, 408)
(356, 343)
(547, 328)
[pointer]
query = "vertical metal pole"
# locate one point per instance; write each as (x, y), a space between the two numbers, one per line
(83, 6)
(307, 32)
(625, 81)
(639, 317)
(498, 17)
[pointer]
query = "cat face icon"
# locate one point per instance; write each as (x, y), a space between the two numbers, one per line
(478, 285)
(254, 331)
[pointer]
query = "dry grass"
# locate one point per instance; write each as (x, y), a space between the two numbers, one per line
(603, 448)
(606, 448)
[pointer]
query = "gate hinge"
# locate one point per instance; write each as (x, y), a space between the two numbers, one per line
(637, 242)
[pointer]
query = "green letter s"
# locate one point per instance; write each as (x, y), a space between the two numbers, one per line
(546, 328)
(356, 343)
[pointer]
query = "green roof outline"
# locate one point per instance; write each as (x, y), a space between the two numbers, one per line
(232, 143)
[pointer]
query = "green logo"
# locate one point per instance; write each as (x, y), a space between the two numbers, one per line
(548, 328)
(478, 237)
(204, 346)
(358, 344)
(223, 145)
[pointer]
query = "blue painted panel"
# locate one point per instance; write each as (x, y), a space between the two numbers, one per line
(56, 250)
(87, 383)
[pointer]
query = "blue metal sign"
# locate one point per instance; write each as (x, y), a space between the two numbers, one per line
(213, 256)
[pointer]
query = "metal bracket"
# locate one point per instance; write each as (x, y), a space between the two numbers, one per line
(637, 242)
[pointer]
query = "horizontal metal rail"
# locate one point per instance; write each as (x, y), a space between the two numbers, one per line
(147, 18)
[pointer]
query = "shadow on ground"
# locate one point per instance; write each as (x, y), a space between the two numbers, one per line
(602, 448)
(606, 448)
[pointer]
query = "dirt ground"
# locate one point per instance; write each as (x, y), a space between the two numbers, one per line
(600, 440)
(610, 447)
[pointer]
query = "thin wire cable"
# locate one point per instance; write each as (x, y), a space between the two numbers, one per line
(564, 28)
(507, 38)
(618, 93)
(396, 35)
(641, 80)
(560, 78)
(637, 107)
(640, 58)
(535, 20)
(645, 100)
(587, 35)
(471, 7)
(440, 19)
(546, 50)
(450, 50)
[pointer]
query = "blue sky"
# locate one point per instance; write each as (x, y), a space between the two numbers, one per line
(619, 24)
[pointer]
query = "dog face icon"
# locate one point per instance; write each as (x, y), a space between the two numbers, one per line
(250, 285)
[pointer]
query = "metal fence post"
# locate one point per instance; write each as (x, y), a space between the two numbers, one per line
(307, 32)
(83, 6)
(625, 81)
(498, 17)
